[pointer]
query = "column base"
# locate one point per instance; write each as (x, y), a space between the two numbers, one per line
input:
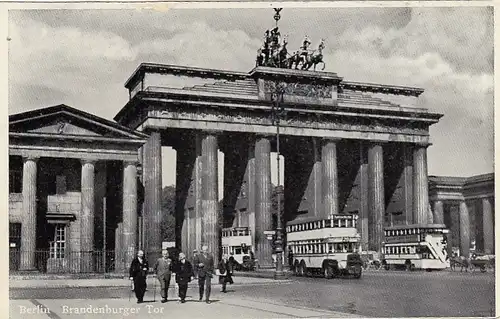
(26, 271)
(279, 275)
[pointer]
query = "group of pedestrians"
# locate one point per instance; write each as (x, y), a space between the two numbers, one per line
(202, 268)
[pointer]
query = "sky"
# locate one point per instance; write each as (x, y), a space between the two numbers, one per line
(82, 58)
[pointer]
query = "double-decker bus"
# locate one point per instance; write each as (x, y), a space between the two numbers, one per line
(329, 246)
(237, 243)
(418, 246)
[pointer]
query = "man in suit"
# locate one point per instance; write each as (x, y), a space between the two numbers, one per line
(183, 273)
(204, 264)
(138, 272)
(163, 270)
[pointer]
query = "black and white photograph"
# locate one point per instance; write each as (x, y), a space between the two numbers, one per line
(251, 160)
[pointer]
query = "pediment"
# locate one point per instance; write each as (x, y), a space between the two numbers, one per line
(63, 127)
(65, 120)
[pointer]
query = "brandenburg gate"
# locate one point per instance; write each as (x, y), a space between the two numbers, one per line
(349, 147)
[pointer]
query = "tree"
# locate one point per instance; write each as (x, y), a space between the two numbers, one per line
(167, 226)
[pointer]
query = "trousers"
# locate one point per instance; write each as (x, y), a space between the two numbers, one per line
(205, 284)
(164, 283)
(182, 290)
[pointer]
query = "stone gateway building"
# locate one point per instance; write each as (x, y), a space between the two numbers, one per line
(76, 180)
(71, 176)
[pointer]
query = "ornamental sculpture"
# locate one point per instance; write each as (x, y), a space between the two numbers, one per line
(273, 52)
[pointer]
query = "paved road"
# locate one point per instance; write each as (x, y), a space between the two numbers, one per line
(391, 294)
(376, 294)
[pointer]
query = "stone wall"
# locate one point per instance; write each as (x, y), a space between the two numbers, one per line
(15, 208)
(68, 203)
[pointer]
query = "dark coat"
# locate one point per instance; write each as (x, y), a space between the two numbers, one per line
(208, 265)
(227, 268)
(183, 272)
(139, 270)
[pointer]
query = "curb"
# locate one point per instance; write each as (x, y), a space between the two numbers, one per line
(127, 285)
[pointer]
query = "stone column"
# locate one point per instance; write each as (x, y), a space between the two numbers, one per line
(420, 185)
(263, 216)
(364, 211)
(28, 225)
(119, 251)
(210, 193)
(376, 196)
(317, 172)
(464, 229)
(152, 196)
(250, 173)
(438, 212)
(408, 184)
(87, 215)
(330, 178)
(488, 229)
(129, 210)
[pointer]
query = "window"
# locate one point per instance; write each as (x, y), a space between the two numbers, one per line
(60, 184)
(58, 245)
(15, 181)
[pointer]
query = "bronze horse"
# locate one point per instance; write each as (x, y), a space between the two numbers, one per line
(315, 59)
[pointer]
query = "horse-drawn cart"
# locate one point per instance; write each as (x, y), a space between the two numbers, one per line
(479, 263)
(475, 262)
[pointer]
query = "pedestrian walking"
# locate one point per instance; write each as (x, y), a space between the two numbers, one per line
(195, 257)
(138, 273)
(163, 271)
(204, 265)
(290, 257)
(225, 272)
(183, 273)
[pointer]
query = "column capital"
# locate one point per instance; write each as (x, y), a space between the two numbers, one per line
(30, 158)
(149, 130)
(422, 144)
(330, 139)
(131, 162)
(376, 143)
(88, 161)
(209, 132)
(263, 135)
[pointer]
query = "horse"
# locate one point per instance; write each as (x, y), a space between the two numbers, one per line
(315, 59)
(294, 59)
(283, 55)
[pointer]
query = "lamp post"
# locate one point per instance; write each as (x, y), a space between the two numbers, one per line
(277, 114)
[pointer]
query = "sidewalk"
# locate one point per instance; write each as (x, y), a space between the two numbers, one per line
(226, 306)
(119, 282)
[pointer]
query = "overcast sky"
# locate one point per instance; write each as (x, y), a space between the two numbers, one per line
(82, 58)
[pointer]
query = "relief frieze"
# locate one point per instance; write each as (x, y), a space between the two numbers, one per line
(302, 89)
(303, 121)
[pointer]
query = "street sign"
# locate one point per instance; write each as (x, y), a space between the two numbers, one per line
(269, 234)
